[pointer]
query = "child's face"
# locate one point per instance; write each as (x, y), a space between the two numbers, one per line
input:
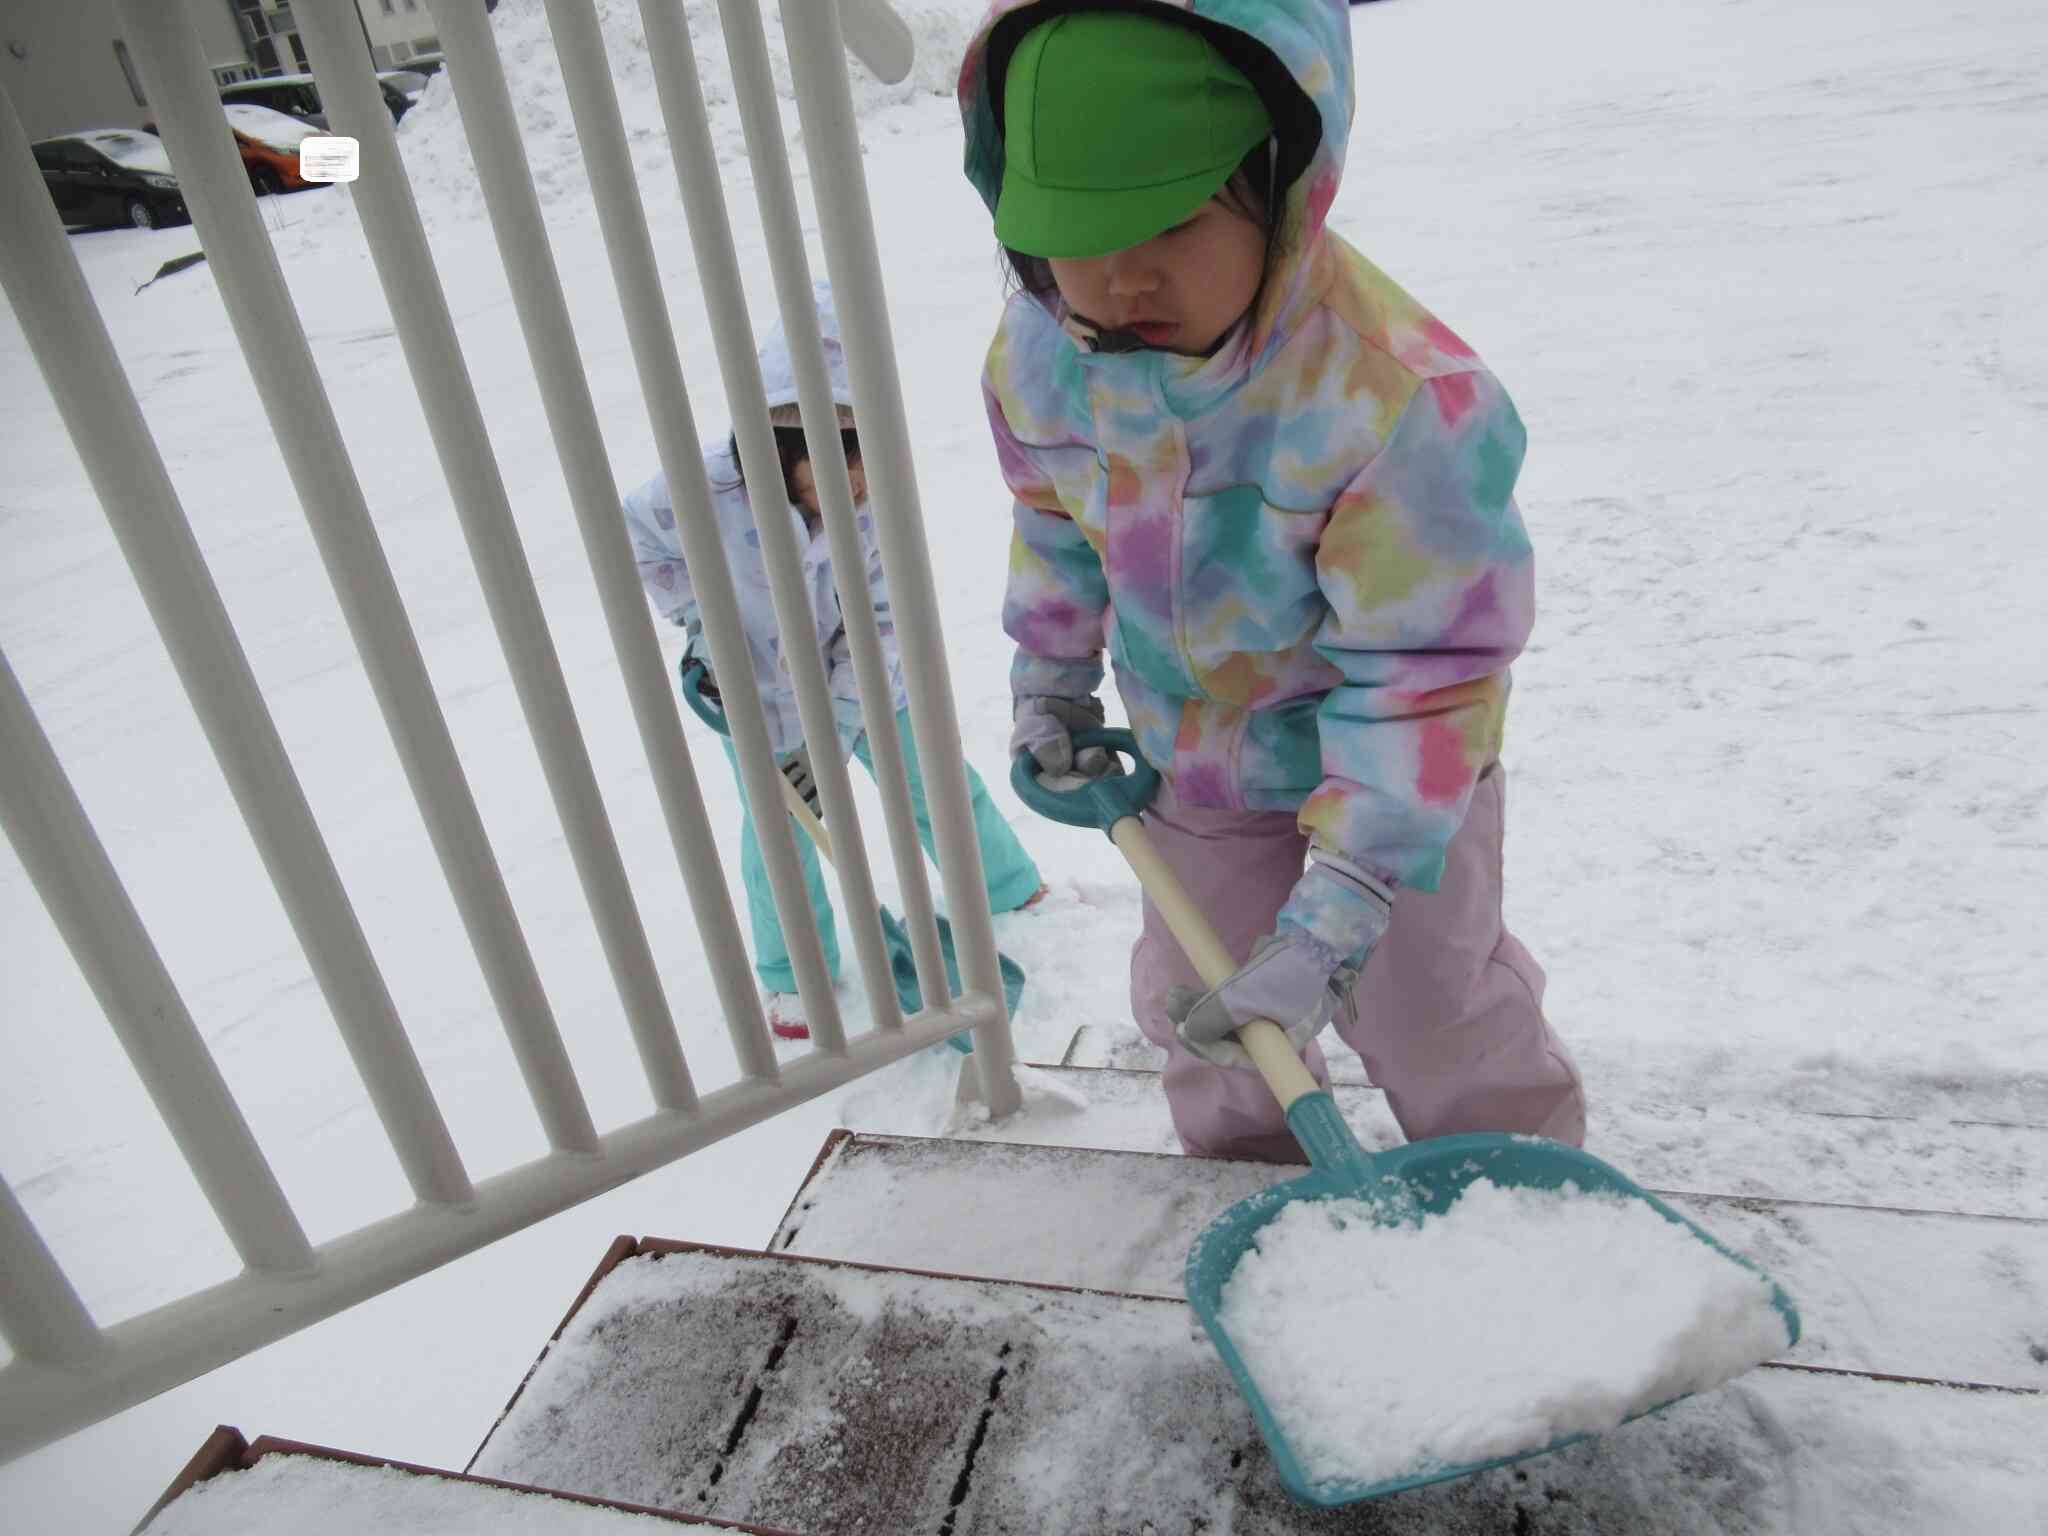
(805, 485)
(1180, 291)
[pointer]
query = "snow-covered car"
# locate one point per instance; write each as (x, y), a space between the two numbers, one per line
(298, 96)
(269, 144)
(409, 81)
(111, 176)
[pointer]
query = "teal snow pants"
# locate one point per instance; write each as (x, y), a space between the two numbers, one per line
(1012, 879)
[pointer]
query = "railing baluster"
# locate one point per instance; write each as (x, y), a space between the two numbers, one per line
(41, 1316)
(405, 266)
(492, 129)
(718, 271)
(594, 104)
(77, 882)
(72, 347)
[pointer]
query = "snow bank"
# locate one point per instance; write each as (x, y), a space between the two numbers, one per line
(443, 174)
(1516, 1318)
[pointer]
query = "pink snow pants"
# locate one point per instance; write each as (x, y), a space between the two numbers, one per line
(1450, 1005)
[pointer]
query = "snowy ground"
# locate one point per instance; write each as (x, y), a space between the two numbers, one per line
(1764, 282)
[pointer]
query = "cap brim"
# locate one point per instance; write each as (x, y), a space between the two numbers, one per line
(1074, 223)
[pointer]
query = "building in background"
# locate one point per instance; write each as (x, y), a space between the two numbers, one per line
(66, 67)
(398, 30)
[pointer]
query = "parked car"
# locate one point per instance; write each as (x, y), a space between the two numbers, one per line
(407, 81)
(111, 176)
(298, 96)
(269, 143)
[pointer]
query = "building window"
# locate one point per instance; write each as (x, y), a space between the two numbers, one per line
(128, 68)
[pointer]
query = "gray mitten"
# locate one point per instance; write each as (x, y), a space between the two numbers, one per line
(1045, 727)
(1290, 980)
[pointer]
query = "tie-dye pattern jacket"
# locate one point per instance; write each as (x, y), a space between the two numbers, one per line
(1303, 552)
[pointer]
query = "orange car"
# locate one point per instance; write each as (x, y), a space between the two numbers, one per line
(269, 142)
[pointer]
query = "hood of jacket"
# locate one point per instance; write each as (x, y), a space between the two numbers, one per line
(1310, 43)
(778, 367)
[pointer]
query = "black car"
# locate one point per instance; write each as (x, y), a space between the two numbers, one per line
(111, 176)
(300, 97)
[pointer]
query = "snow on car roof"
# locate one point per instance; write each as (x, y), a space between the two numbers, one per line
(280, 130)
(300, 79)
(131, 147)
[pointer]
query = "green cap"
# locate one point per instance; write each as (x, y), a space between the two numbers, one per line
(1115, 127)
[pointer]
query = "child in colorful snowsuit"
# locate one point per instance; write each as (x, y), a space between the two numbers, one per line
(1279, 491)
(1011, 877)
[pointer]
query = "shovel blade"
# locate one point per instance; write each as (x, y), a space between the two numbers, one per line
(903, 971)
(1434, 1173)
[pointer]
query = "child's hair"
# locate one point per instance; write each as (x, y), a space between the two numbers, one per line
(792, 450)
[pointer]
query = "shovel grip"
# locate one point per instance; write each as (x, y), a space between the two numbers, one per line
(1265, 1042)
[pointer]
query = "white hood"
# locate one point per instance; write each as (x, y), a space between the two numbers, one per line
(778, 372)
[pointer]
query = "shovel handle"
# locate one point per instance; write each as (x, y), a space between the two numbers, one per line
(694, 674)
(1264, 1041)
(1114, 804)
(801, 812)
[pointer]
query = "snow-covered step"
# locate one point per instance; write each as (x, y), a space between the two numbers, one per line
(1989, 1168)
(843, 1398)
(232, 1487)
(1947, 1297)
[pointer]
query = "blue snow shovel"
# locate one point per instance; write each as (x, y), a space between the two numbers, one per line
(1400, 1187)
(902, 959)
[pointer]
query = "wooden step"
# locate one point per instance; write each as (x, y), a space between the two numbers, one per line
(847, 1398)
(232, 1486)
(1921, 1294)
(1975, 1167)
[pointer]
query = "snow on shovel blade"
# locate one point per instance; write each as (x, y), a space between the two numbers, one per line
(1408, 1186)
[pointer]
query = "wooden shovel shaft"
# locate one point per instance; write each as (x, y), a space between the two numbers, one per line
(1265, 1042)
(808, 819)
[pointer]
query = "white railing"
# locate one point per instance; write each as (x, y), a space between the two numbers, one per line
(67, 1370)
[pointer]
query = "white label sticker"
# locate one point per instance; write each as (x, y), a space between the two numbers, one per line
(329, 157)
